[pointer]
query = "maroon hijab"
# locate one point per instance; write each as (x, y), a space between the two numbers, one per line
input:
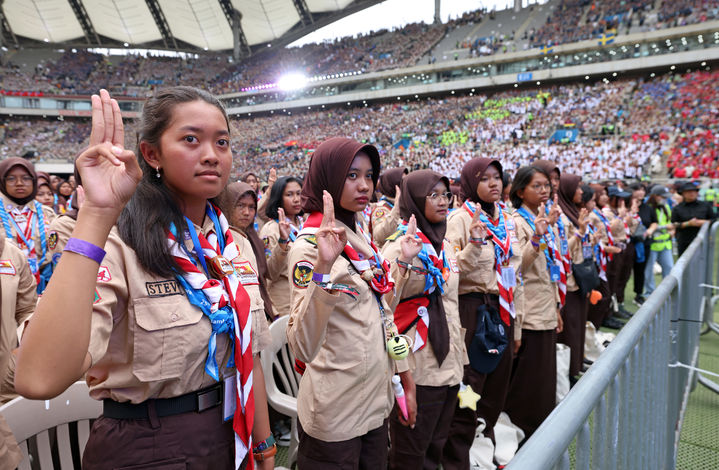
(227, 201)
(5, 167)
(328, 170)
(389, 179)
(568, 184)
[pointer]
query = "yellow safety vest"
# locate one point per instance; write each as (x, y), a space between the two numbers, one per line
(663, 239)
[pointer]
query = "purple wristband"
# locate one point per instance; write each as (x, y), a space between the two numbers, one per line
(87, 249)
(320, 278)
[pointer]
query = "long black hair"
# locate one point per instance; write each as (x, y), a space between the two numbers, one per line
(521, 180)
(276, 193)
(145, 220)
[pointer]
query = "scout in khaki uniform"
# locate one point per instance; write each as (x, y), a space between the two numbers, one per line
(532, 391)
(385, 214)
(574, 312)
(166, 322)
(340, 325)
(484, 240)
(284, 213)
(25, 221)
(425, 309)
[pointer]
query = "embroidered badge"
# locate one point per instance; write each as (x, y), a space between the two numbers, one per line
(97, 297)
(6, 267)
(266, 241)
(394, 236)
(248, 276)
(52, 240)
(163, 288)
(453, 265)
(457, 249)
(379, 213)
(103, 274)
(302, 274)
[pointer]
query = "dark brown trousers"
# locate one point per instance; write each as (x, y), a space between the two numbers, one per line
(185, 441)
(574, 315)
(533, 388)
(598, 312)
(493, 388)
(367, 452)
(421, 447)
(619, 270)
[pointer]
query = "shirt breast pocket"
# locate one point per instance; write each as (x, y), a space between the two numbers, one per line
(165, 332)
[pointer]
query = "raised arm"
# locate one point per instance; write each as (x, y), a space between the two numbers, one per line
(54, 350)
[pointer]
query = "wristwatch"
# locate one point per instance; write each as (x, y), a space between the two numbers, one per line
(265, 449)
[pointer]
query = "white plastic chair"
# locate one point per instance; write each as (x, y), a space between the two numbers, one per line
(36, 418)
(278, 364)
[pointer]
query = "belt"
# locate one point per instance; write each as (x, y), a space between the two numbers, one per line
(198, 401)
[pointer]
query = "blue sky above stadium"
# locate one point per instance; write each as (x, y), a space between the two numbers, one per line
(397, 13)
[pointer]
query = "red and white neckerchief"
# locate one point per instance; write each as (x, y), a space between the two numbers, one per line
(220, 293)
(374, 270)
(607, 229)
(501, 231)
(563, 263)
(602, 257)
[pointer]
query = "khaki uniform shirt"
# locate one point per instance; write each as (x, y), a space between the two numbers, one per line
(147, 340)
(346, 389)
(59, 233)
(477, 263)
(599, 229)
(540, 293)
(575, 250)
(384, 222)
(278, 284)
(48, 216)
(423, 363)
(18, 297)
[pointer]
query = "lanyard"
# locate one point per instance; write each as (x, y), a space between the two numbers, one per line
(40, 226)
(549, 241)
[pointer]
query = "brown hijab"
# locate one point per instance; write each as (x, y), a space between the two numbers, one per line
(389, 179)
(469, 180)
(548, 166)
(226, 201)
(415, 188)
(5, 167)
(328, 169)
(568, 184)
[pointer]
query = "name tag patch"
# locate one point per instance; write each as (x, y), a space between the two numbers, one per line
(248, 276)
(6, 267)
(163, 288)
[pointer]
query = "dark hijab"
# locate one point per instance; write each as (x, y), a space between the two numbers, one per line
(5, 167)
(389, 179)
(328, 170)
(547, 166)
(415, 188)
(568, 184)
(226, 201)
(472, 173)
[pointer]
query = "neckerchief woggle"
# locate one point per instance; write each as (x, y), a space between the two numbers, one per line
(222, 320)
(434, 276)
(29, 242)
(549, 241)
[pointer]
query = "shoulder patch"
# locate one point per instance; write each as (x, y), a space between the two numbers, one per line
(103, 274)
(97, 297)
(394, 236)
(6, 267)
(266, 241)
(52, 239)
(248, 276)
(311, 239)
(379, 212)
(302, 274)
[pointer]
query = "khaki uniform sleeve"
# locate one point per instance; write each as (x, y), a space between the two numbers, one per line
(262, 206)
(26, 296)
(60, 231)
(391, 252)
(311, 306)
(277, 262)
(458, 235)
(385, 225)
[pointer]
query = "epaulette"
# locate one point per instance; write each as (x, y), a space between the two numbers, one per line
(394, 236)
(311, 239)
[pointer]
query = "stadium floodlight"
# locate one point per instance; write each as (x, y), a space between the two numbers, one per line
(292, 81)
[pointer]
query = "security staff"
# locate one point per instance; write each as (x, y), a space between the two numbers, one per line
(689, 216)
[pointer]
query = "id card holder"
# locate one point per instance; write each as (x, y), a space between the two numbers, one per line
(565, 246)
(554, 273)
(587, 251)
(229, 400)
(509, 279)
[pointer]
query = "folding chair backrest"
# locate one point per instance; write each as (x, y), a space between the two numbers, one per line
(281, 379)
(35, 423)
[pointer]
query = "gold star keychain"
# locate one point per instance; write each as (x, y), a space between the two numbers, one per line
(467, 397)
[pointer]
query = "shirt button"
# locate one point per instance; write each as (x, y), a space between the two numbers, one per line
(174, 317)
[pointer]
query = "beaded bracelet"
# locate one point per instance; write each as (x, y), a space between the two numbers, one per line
(86, 249)
(478, 241)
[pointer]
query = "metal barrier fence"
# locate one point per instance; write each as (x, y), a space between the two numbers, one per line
(626, 411)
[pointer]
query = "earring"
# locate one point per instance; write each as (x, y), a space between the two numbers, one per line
(157, 172)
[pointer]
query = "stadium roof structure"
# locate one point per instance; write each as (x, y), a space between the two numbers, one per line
(189, 25)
